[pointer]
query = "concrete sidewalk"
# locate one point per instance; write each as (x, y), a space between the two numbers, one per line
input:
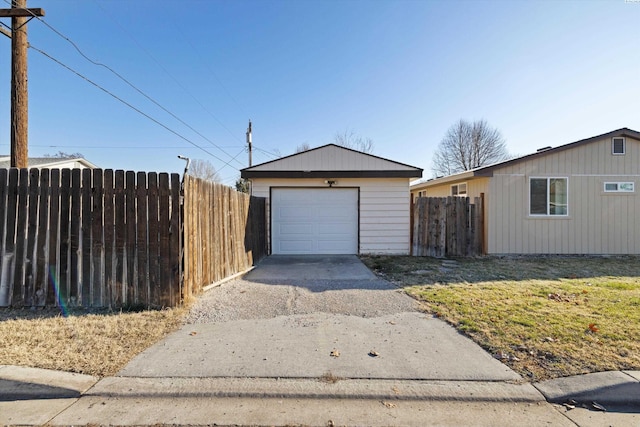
(30, 396)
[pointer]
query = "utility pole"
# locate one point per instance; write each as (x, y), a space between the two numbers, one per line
(249, 143)
(19, 15)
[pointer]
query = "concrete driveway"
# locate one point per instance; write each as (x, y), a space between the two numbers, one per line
(311, 317)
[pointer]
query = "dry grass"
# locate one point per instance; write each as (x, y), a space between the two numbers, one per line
(545, 317)
(97, 344)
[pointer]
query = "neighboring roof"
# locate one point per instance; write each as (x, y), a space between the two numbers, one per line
(331, 161)
(48, 162)
(487, 171)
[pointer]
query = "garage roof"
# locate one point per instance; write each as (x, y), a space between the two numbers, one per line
(331, 161)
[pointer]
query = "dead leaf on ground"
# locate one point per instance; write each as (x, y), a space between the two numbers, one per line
(593, 328)
(389, 404)
(335, 353)
(193, 333)
(395, 389)
(374, 353)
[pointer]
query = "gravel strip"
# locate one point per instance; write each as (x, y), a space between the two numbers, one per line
(243, 300)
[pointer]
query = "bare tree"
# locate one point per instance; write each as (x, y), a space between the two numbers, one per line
(302, 147)
(64, 155)
(349, 139)
(468, 146)
(203, 169)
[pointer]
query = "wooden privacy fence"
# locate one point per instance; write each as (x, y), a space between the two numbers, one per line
(89, 237)
(224, 233)
(447, 226)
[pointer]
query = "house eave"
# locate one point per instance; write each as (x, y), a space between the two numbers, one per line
(443, 180)
(488, 171)
(249, 174)
(625, 132)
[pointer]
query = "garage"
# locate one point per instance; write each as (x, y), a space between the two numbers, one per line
(314, 220)
(334, 200)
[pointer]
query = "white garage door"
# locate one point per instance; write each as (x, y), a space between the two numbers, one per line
(314, 220)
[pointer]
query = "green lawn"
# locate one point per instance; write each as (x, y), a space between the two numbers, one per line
(545, 317)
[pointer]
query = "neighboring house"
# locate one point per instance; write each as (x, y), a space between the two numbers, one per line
(51, 162)
(334, 200)
(578, 198)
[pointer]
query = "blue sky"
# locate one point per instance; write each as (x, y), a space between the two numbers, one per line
(398, 72)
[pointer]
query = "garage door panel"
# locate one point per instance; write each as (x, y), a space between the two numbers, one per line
(301, 246)
(337, 212)
(296, 229)
(314, 221)
(334, 230)
(294, 213)
(333, 247)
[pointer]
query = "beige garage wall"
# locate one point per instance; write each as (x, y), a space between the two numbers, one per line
(383, 208)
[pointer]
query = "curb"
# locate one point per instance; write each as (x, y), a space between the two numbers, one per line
(24, 383)
(305, 388)
(613, 388)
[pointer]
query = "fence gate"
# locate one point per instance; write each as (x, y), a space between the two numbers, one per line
(447, 226)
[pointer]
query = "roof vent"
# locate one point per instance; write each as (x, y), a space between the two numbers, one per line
(544, 149)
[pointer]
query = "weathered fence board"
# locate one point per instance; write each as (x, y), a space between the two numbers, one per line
(447, 226)
(119, 290)
(174, 294)
(76, 221)
(21, 238)
(98, 279)
(60, 277)
(39, 289)
(109, 237)
(53, 265)
(219, 236)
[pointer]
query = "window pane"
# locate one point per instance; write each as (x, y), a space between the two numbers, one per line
(610, 186)
(454, 190)
(538, 196)
(626, 186)
(618, 145)
(557, 196)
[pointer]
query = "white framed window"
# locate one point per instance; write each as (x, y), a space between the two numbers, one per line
(618, 146)
(548, 196)
(459, 189)
(619, 187)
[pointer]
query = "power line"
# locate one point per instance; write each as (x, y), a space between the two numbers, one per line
(109, 147)
(173, 78)
(129, 84)
(130, 105)
(215, 76)
(274, 155)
